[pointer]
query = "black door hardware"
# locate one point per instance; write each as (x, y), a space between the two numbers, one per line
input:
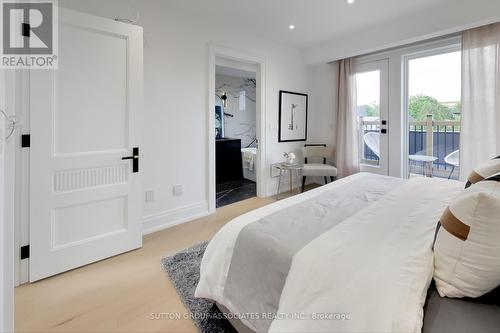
(383, 131)
(134, 158)
(25, 252)
(25, 141)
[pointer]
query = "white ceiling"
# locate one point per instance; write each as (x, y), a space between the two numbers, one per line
(315, 20)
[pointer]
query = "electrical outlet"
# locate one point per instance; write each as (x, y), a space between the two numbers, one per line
(149, 196)
(177, 190)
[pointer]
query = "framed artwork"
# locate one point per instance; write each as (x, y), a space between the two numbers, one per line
(292, 117)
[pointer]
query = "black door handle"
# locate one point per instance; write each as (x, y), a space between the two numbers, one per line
(134, 158)
(383, 131)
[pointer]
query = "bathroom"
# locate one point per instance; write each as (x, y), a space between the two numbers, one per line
(235, 130)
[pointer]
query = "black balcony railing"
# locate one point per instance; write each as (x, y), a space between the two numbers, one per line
(444, 140)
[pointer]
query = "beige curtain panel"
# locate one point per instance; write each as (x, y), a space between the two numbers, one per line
(346, 133)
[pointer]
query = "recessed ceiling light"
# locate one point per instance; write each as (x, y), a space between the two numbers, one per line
(291, 27)
(350, 2)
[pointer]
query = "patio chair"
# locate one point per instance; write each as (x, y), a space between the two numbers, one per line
(372, 140)
(453, 159)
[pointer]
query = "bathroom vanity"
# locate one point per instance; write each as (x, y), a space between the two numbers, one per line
(228, 160)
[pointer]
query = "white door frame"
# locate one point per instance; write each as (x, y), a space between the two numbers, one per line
(214, 52)
(6, 225)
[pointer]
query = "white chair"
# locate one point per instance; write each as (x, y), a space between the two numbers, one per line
(453, 159)
(372, 140)
(311, 169)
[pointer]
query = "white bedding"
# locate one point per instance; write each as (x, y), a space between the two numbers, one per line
(381, 265)
(374, 266)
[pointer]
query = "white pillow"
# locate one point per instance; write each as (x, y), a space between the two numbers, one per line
(484, 171)
(467, 245)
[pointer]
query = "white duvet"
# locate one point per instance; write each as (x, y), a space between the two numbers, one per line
(369, 273)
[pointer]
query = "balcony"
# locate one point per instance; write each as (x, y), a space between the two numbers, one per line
(429, 138)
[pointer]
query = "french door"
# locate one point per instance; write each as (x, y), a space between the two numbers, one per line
(372, 94)
(85, 116)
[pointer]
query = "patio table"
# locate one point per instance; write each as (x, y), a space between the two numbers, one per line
(427, 163)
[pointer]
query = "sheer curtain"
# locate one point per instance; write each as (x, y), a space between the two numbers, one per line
(346, 134)
(480, 129)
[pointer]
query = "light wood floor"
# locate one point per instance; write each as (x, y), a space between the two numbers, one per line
(120, 294)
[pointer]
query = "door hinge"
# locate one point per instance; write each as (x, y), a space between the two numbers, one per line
(26, 30)
(25, 252)
(25, 141)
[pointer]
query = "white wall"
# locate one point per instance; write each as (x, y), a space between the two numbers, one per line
(176, 86)
(439, 21)
(322, 85)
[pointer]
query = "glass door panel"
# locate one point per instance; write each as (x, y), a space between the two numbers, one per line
(372, 107)
(434, 97)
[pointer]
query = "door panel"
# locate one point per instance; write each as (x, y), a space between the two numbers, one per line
(85, 201)
(433, 100)
(84, 103)
(373, 111)
(83, 222)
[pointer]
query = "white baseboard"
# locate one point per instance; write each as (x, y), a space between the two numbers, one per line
(169, 218)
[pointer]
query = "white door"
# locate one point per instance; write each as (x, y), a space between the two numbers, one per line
(85, 200)
(372, 82)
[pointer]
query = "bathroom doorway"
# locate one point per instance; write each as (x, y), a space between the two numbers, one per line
(235, 135)
(235, 120)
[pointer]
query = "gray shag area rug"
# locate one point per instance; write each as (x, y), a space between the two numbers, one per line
(183, 269)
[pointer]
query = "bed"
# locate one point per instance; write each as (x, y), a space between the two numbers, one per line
(354, 255)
